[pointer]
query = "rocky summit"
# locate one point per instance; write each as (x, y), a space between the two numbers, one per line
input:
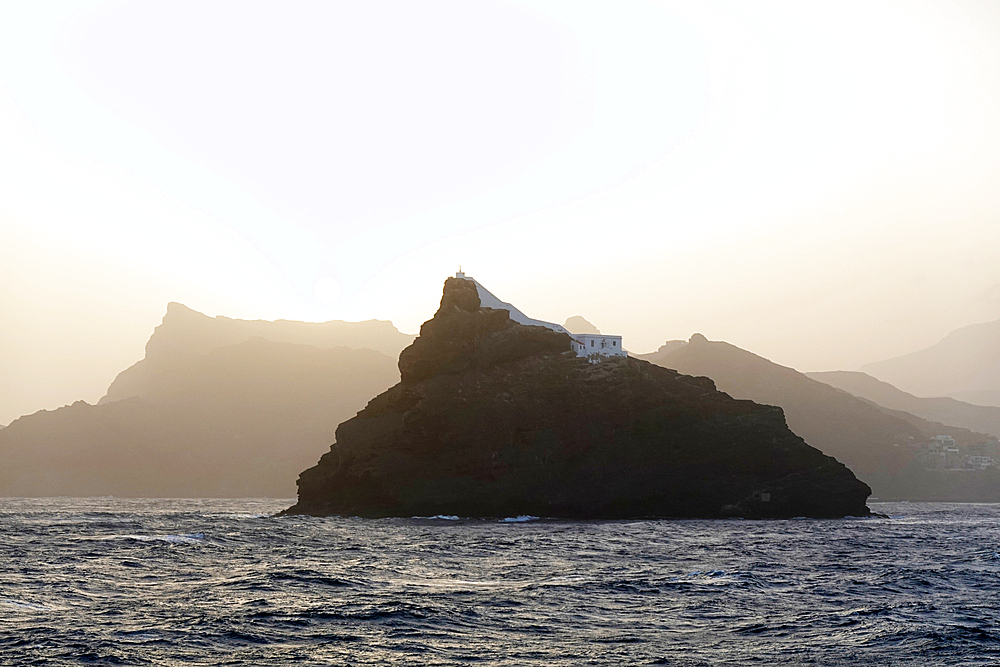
(495, 419)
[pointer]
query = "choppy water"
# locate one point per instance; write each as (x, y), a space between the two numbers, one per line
(220, 582)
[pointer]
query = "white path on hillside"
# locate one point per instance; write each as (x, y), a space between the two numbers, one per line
(595, 347)
(488, 300)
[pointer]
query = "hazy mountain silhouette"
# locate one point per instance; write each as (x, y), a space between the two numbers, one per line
(964, 365)
(217, 408)
(982, 397)
(578, 325)
(874, 443)
(944, 410)
(187, 335)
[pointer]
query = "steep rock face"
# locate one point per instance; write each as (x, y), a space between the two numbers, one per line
(493, 418)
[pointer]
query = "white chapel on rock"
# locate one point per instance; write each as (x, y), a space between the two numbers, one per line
(595, 347)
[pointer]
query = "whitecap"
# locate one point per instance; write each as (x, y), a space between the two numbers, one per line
(519, 519)
(19, 604)
(442, 517)
(192, 538)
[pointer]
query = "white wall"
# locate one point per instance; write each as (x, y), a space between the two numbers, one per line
(609, 346)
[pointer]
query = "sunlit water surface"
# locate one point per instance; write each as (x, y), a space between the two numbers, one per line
(221, 582)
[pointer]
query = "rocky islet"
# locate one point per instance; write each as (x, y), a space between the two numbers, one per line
(492, 418)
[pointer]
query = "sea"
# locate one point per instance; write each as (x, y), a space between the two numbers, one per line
(114, 581)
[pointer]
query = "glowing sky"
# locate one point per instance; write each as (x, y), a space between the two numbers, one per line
(816, 182)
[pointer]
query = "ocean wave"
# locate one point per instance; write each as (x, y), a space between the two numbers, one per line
(21, 604)
(187, 582)
(191, 538)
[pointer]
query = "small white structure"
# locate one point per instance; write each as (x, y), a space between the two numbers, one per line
(601, 345)
(595, 347)
(942, 441)
(979, 462)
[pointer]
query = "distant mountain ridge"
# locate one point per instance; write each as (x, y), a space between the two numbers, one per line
(186, 334)
(216, 409)
(964, 364)
(945, 410)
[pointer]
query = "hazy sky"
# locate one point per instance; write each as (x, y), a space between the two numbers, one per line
(816, 182)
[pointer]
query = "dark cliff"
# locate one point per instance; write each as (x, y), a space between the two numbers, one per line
(492, 418)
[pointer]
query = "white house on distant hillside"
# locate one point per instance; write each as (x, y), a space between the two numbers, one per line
(593, 346)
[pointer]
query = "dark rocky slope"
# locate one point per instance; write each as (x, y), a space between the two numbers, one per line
(492, 418)
(836, 423)
(881, 446)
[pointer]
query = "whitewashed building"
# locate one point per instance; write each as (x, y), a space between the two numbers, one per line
(601, 345)
(595, 347)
